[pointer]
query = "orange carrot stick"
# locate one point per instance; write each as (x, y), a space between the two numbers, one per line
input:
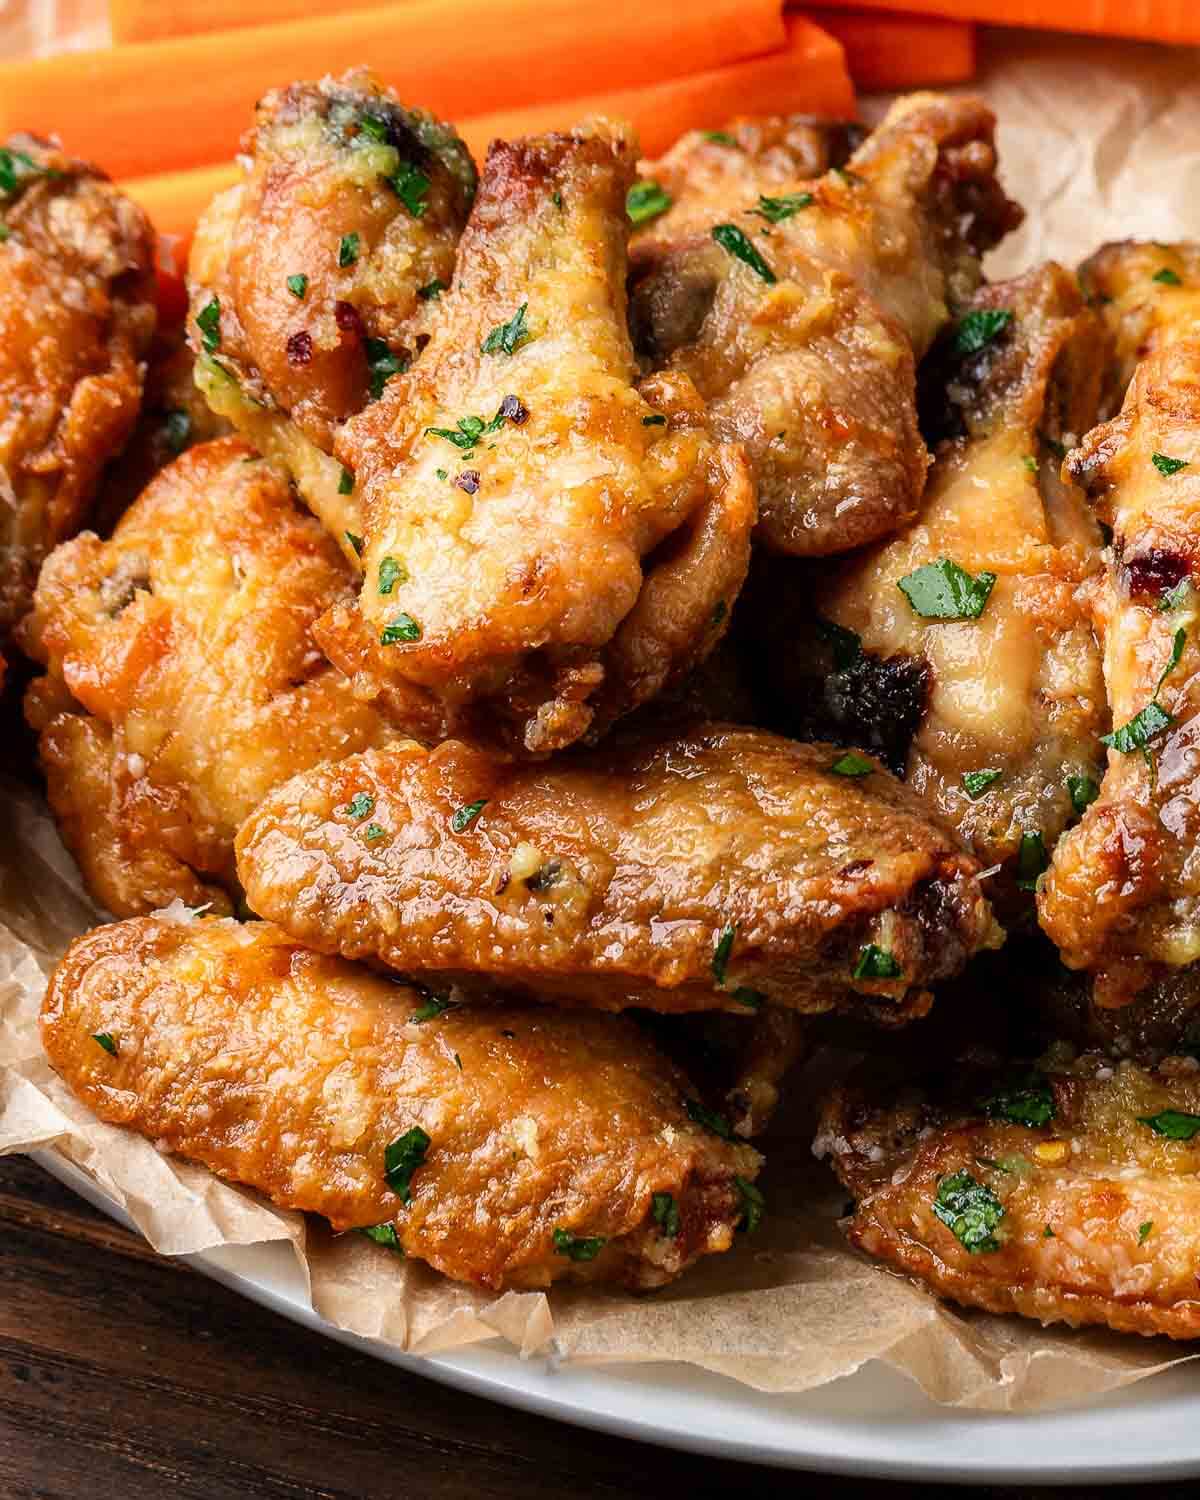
(900, 52)
(808, 76)
(157, 20)
(175, 200)
(153, 106)
(1155, 20)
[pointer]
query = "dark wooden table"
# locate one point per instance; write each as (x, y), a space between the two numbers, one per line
(124, 1376)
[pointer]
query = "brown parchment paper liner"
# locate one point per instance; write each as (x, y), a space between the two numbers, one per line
(1099, 141)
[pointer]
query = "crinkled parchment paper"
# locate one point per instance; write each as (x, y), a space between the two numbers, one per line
(1098, 141)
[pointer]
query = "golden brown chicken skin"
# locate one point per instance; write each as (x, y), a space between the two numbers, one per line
(1120, 899)
(516, 481)
(800, 313)
(1068, 1193)
(506, 1146)
(311, 277)
(184, 681)
(76, 318)
(1007, 742)
(707, 870)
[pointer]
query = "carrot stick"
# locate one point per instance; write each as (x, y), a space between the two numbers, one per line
(156, 20)
(1155, 20)
(175, 200)
(808, 76)
(900, 52)
(153, 106)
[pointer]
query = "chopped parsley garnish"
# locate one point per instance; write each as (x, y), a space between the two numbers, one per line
(374, 127)
(657, 420)
(17, 168)
(1168, 466)
(1032, 859)
(1030, 462)
(1177, 597)
(466, 815)
(731, 239)
(665, 1212)
(1140, 730)
(975, 783)
(645, 201)
(1048, 1233)
(356, 542)
(346, 484)
(719, 137)
(578, 1247)
(104, 1039)
(434, 1006)
(468, 430)
(751, 999)
(375, 832)
(402, 1158)
(846, 644)
(507, 338)
(753, 1204)
(411, 186)
(384, 1234)
(1084, 792)
(360, 806)
(979, 328)
(778, 209)
(1167, 277)
(852, 764)
(720, 958)
(943, 591)
(1177, 646)
(709, 1119)
(208, 321)
(402, 627)
(1175, 1124)
(1025, 1100)
(970, 1211)
(441, 474)
(875, 963)
(382, 364)
(298, 286)
(432, 290)
(556, 198)
(1145, 1231)
(391, 573)
(177, 430)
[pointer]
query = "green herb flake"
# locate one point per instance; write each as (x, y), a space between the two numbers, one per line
(1058, 449)
(411, 186)
(1140, 730)
(577, 1247)
(1083, 792)
(720, 958)
(732, 240)
(375, 832)
(434, 1006)
(777, 209)
(1175, 598)
(356, 542)
(391, 572)
(1030, 462)
(753, 1204)
(975, 783)
(402, 627)
(177, 430)
(507, 338)
(402, 1158)
(360, 806)
(875, 963)
(556, 198)
(657, 420)
(432, 290)
(1177, 646)
(17, 168)
(208, 321)
(104, 1039)
(751, 999)
(467, 431)
(1016, 1165)
(382, 364)
(1025, 1100)
(970, 1211)
(1168, 466)
(847, 646)
(852, 764)
(1145, 1231)
(346, 485)
(466, 815)
(5, 232)
(719, 137)
(665, 1212)
(1032, 860)
(1174, 1124)
(1167, 277)
(298, 286)
(385, 1235)
(645, 201)
(943, 591)
(374, 127)
(977, 330)
(708, 1119)
(441, 474)
(1048, 1233)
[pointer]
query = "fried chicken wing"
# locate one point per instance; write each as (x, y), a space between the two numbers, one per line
(184, 681)
(1122, 897)
(76, 318)
(310, 278)
(546, 546)
(1008, 734)
(1069, 1195)
(700, 871)
(800, 316)
(506, 1146)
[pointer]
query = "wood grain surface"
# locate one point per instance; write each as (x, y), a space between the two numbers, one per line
(125, 1376)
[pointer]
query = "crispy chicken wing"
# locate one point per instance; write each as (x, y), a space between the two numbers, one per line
(701, 871)
(183, 680)
(506, 1146)
(800, 315)
(1008, 735)
(76, 318)
(546, 546)
(1069, 1194)
(1122, 898)
(311, 277)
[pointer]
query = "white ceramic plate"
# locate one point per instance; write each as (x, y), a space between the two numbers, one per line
(873, 1423)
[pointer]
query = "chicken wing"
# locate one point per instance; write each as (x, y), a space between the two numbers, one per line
(516, 484)
(310, 278)
(1007, 742)
(801, 316)
(183, 678)
(507, 1146)
(1122, 898)
(1069, 1193)
(76, 318)
(708, 870)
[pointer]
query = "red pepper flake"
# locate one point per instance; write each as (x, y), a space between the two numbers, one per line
(346, 316)
(300, 349)
(467, 479)
(514, 410)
